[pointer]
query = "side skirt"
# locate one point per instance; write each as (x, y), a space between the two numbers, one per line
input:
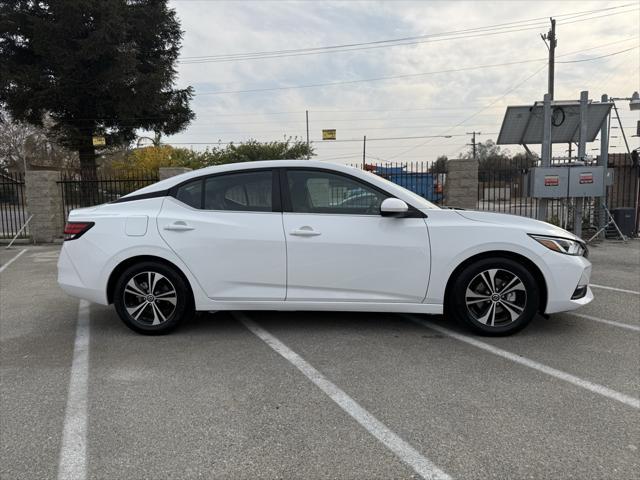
(433, 309)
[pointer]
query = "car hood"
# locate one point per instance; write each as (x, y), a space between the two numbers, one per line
(523, 223)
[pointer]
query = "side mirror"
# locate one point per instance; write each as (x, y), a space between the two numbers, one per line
(393, 207)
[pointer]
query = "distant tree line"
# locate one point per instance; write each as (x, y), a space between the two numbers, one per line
(150, 159)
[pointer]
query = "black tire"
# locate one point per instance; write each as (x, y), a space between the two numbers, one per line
(513, 306)
(152, 313)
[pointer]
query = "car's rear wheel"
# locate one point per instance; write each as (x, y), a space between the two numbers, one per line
(152, 298)
(494, 296)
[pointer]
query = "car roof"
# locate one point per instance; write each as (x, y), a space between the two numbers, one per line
(241, 166)
(363, 175)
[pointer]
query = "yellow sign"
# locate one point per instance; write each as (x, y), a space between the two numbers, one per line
(99, 141)
(329, 134)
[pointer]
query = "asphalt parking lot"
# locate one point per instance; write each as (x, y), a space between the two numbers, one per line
(316, 395)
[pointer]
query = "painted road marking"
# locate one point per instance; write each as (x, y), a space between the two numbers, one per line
(375, 427)
(628, 326)
(567, 377)
(604, 287)
(73, 453)
(3, 267)
(45, 257)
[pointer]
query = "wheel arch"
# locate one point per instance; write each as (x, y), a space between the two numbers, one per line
(533, 268)
(123, 265)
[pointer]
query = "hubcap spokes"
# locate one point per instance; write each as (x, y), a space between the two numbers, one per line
(496, 297)
(150, 298)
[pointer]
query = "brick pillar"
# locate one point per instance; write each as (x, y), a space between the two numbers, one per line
(44, 202)
(168, 172)
(461, 185)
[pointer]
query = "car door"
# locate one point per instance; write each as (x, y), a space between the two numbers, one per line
(227, 228)
(341, 249)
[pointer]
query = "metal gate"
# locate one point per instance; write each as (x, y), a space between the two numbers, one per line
(13, 206)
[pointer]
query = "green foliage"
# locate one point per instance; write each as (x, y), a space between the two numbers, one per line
(151, 158)
(253, 150)
(94, 67)
(440, 165)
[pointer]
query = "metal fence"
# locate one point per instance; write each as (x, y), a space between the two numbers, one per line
(424, 178)
(80, 192)
(501, 188)
(13, 206)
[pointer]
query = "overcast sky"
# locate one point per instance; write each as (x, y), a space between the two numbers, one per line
(451, 103)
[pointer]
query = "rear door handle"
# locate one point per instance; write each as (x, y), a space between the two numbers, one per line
(178, 226)
(305, 232)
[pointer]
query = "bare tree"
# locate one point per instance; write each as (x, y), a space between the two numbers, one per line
(23, 145)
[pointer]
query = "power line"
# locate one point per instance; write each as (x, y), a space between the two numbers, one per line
(482, 109)
(597, 58)
(333, 111)
(324, 142)
(394, 77)
(501, 28)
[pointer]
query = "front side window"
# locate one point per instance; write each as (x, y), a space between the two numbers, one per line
(316, 191)
(240, 192)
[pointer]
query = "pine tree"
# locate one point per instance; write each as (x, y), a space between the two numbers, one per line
(93, 67)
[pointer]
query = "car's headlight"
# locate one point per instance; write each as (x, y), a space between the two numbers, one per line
(561, 245)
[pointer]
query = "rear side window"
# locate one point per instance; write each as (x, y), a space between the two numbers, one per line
(240, 192)
(191, 193)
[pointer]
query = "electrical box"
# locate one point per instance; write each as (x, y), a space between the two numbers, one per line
(587, 181)
(549, 182)
(565, 181)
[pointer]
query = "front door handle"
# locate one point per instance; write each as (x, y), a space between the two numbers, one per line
(178, 226)
(305, 232)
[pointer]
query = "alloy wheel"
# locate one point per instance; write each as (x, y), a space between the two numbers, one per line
(496, 297)
(150, 298)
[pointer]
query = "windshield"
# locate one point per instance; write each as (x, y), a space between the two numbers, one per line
(417, 200)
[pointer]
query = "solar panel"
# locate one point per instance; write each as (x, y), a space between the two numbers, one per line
(524, 124)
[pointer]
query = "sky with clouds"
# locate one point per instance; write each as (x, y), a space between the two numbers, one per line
(421, 103)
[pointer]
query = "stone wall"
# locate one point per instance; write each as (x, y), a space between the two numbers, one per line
(44, 202)
(461, 186)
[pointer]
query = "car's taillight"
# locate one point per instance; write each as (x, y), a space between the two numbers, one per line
(73, 230)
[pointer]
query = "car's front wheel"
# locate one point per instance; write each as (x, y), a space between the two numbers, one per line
(494, 296)
(152, 298)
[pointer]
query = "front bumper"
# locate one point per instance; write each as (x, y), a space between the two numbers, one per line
(567, 275)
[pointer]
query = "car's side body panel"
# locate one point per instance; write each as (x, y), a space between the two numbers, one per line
(404, 269)
(451, 239)
(356, 258)
(234, 255)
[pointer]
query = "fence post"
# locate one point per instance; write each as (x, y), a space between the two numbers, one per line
(461, 184)
(168, 172)
(44, 202)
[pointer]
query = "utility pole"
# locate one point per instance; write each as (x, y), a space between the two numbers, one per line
(551, 42)
(473, 143)
(603, 161)
(547, 150)
(308, 153)
(364, 152)
(582, 155)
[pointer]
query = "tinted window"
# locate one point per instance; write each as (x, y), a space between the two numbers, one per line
(314, 191)
(191, 193)
(243, 192)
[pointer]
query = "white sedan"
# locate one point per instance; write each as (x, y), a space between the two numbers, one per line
(308, 235)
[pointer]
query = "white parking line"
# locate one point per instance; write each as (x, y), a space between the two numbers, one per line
(73, 453)
(628, 326)
(567, 377)
(605, 287)
(2, 268)
(409, 455)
